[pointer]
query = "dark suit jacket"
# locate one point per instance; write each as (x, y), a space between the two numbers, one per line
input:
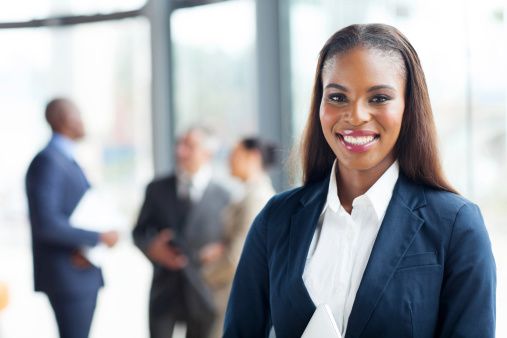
(181, 292)
(431, 272)
(54, 187)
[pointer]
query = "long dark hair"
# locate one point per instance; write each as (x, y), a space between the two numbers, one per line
(417, 145)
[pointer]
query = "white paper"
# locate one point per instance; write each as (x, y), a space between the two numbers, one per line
(95, 213)
(322, 324)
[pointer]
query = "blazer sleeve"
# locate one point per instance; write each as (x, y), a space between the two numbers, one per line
(467, 300)
(146, 227)
(50, 224)
(248, 311)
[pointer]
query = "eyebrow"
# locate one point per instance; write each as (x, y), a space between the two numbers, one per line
(371, 89)
(382, 86)
(337, 86)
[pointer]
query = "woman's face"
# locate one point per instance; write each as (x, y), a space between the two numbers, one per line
(239, 161)
(362, 108)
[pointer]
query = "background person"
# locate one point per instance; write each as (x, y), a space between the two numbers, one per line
(180, 216)
(376, 232)
(54, 186)
(248, 162)
(4, 300)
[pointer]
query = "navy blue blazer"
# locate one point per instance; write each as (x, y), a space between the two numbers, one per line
(54, 187)
(431, 272)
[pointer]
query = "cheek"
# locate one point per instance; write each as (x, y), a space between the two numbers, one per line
(327, 117)
(243, 160)
(391, 120)
(235, 162)
(201, 156)
(180, 151)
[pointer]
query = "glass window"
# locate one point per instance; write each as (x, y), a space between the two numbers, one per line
(214, 67)
(25, 10)
(105, 69)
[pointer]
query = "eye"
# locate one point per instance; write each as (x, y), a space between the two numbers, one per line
(380, 99)
(338, 98)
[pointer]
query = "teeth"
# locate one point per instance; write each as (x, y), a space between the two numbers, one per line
(358, 140)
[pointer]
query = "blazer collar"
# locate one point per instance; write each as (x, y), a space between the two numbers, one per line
(399, 227)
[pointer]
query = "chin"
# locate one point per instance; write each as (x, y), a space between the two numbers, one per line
(362, 162)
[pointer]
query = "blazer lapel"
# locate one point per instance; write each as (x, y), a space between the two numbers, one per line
(398, 229)
(170, 212)
(70, 167)
(302, 228)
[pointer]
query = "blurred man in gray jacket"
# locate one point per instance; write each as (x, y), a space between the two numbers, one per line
(180, 218)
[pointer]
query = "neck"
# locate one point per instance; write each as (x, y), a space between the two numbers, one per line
(66, 134)
(253, 173)
(353, 183)
(191, 171)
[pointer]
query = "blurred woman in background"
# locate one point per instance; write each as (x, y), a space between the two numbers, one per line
(248, 162)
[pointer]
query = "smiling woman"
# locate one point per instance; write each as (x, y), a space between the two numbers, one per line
(376, 232)
(389, 71)
(361, 114)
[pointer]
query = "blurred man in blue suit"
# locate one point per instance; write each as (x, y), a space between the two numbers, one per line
(54, 186)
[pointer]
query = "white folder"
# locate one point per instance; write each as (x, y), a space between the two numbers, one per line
(95, 213)
(322, 324)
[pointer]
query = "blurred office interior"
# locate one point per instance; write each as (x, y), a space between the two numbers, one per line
(141, 70)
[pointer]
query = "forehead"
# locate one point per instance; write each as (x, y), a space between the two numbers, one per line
(193, 137)
(240, 147)
(364, 66)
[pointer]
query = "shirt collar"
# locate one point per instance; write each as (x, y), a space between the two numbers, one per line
(64, 144)
(333, 202)
(199, 180)
(379, 194)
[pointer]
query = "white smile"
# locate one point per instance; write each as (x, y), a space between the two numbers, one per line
(358, 140)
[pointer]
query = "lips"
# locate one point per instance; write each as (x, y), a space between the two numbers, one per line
(358, 141)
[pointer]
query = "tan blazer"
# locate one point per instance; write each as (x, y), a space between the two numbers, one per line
(238, 217)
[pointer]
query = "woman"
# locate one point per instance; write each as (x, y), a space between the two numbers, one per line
(376, 232)
(248, 162)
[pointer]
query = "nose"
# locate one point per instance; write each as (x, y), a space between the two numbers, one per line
(357, 115)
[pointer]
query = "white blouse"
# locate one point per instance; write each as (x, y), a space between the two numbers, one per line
(342, 245)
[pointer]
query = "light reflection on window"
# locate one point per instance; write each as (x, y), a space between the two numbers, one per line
(105, 68)
(214, 67)
(26, 10)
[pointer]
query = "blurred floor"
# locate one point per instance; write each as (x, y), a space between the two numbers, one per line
(123, 303)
